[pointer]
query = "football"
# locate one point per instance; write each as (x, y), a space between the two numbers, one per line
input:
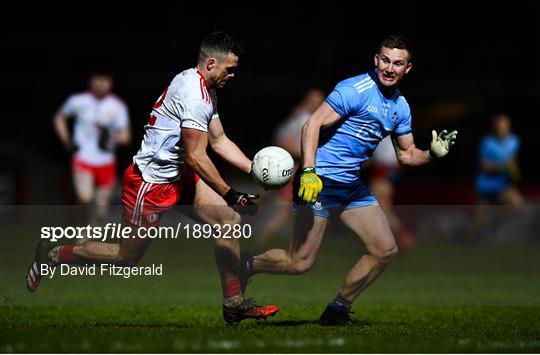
(272, 167)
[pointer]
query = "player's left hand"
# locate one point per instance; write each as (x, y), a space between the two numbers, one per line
(440, 144)
(310, 185)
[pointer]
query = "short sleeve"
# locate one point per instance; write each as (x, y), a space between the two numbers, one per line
(69, 108)
(404, 124)
(197, 115)
(344, 99)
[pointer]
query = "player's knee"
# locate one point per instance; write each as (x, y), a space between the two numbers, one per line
(517, 201)
(386, 253)
(85, 199)
(221, 215)
(227, 243)
(301, 266)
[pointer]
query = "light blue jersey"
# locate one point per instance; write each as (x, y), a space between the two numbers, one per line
(499, 152)
(366, 118)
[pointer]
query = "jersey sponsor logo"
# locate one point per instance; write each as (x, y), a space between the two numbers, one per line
(370, 132)
(372, 109)
(287, 172)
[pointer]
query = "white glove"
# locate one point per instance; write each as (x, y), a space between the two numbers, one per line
(440, 145)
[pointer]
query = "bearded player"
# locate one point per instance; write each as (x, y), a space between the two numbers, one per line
(183, 122)
(341, 134)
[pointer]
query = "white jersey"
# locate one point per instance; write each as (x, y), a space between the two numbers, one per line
(90, 113)
(186, 103)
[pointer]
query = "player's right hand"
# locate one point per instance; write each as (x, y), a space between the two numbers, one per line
(310, 185)
(242, 202)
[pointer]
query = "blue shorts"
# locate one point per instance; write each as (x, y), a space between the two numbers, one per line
(490, 190)
(490, 187)
(490, 195)
(335, 195)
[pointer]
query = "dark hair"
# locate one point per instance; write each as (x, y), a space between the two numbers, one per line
(99, 69)
(102, 74)
(219, 43)
(499, 115)
(399, 42)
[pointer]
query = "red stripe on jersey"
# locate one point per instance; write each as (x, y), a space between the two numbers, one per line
(202, 77)
(202, 88)
(207, 96)
(161, 99)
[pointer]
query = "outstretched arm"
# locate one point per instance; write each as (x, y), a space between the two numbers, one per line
(226, 148)
(407, 153)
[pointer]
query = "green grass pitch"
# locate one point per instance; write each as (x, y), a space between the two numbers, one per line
(436, 298)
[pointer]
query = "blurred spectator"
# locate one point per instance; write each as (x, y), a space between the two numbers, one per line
(101, 122)
(498, 172)
(385, 172)
(498, 165)
(288, 136)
